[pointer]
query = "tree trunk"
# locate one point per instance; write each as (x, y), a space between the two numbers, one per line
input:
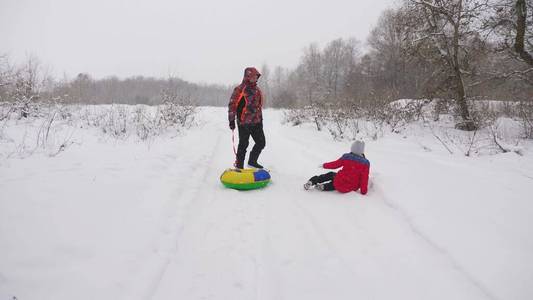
(521, 17)
(467, 123)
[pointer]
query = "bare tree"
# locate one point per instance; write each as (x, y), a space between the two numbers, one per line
(523, 25)
(27, 86)
(310, 73)
(444, 28)
(283, 88)
(265, 84)
(339, 58)
(393, 72)
(5, 71)
(80, 88)
(510, 24)
(6, 77)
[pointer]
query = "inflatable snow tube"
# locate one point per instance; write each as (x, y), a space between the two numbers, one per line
(245, 179)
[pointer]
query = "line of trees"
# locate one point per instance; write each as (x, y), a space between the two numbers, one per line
(453, 51)
(139, 90)
(30, 83)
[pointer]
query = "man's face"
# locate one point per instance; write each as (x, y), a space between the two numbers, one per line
(254, 78)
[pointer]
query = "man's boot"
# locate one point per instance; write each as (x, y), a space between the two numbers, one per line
(238, 164)
(252, 160)
(239, 161)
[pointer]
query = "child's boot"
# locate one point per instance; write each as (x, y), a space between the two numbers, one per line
(308, 185)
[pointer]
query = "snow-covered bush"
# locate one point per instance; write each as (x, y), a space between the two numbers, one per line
(295, 116)
(525, 110)
(5, 110)
(174, 113)
(54, 128)
(500, 124)
(115, 122)
(121, 121)
(49, 130)
(347, 121)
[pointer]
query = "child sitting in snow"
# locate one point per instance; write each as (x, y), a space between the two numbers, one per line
(352, 176)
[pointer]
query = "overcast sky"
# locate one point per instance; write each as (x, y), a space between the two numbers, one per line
(200, 41)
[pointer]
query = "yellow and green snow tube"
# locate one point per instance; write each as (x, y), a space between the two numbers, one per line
(245, 179)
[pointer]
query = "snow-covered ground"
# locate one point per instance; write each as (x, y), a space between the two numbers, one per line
(131, 220)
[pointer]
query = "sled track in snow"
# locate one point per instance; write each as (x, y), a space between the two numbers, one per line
(199, 176)
(424, 237)
(320, 232)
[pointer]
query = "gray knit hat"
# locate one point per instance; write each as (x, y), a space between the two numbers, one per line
(358, 147)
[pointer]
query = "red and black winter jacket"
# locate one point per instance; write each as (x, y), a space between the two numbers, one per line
(353, 175)
(246, 102)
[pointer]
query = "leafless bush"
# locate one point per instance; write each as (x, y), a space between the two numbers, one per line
(483, 115)
(319, 113)
(6, 108)
(338, 127)
(46, 133)
(177, 108)
(65, 113)
(146, 124)
(394, 115)
(115, 122)
(121, 121)
(337, 121)
(491, 137)
(91, 116)
(488, 115)
(525, 110)
(44, 130)
(440, 107)
(508, 109)
(402, 115)
(295, 116)
(25, 88)
(177, 113)
(343, 121)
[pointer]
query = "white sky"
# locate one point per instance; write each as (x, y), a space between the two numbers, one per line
(198, 40)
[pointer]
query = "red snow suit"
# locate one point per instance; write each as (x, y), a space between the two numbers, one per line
(246, 102)
(353, 175)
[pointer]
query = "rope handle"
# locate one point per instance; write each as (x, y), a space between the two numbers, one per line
(233, 141)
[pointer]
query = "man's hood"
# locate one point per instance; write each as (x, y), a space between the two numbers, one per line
(249, 73)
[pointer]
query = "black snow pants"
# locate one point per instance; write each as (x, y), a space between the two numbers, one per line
(326, 179)
(245, 131)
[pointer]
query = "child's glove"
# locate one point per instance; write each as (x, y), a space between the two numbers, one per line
(231, 125)
(321, 166)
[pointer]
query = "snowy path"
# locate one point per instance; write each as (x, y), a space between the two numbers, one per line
(161, 226)
(285, 243)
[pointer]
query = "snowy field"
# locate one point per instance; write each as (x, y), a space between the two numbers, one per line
(122, 219)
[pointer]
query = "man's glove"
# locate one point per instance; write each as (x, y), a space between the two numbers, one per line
(232, 125)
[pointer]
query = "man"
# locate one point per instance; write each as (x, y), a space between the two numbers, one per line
(245, 106)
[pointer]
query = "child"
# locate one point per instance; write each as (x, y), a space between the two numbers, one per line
(352, 176)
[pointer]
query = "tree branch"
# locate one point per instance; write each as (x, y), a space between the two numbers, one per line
(502, 76)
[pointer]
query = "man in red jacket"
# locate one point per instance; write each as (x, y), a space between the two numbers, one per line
(352, 176)
(245, 106)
